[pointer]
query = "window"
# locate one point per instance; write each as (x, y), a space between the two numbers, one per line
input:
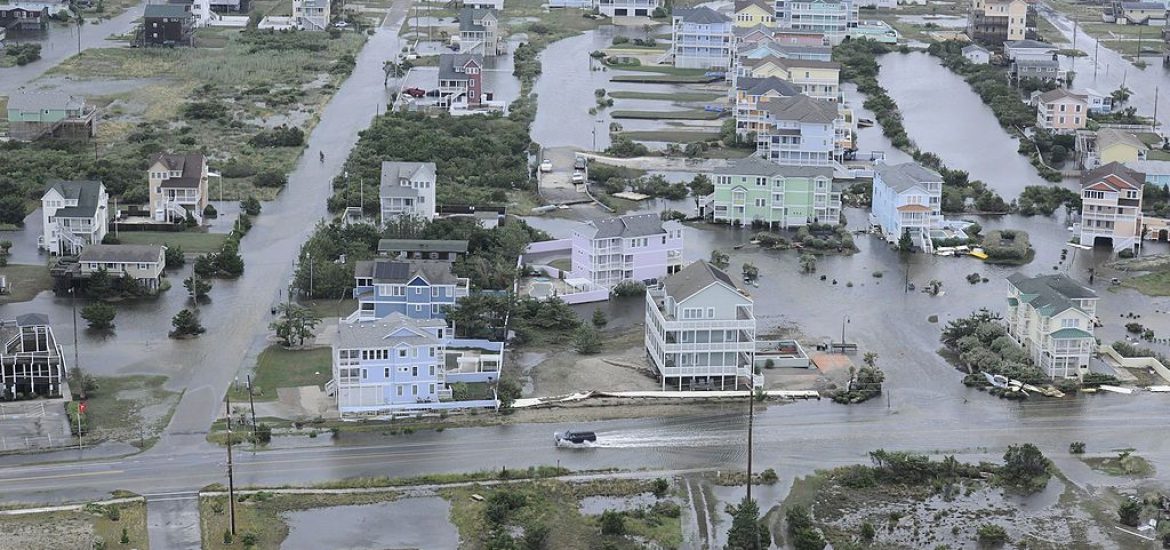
(432, 370)
(710, 313)
(418, 308)
(399, 391)
(434, 292)
(386, 373)
(399, 290)
(432, 388)
(413, 389)
(364, 374)
(432, 350)
(1069, 323)
(402, 353)
(414, 371)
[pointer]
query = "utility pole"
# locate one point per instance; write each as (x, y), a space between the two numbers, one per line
(751, 417)
(844, 320)
(1155, 107)
(231, 480)
(1096, 60)
(252, 404)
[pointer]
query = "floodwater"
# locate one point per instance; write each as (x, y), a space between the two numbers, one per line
(61, 41)
(944, 116)
(418, 522)
(1105, 70)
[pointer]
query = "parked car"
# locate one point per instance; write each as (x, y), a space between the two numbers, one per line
(546, 166)
(415, 92)
(578, 177)
(579, 163)
(572, 437)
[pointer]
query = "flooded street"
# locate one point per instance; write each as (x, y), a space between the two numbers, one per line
(1105, 70)
(59, 42)
(944, 116)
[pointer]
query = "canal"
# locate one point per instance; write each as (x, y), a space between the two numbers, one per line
(944, 116)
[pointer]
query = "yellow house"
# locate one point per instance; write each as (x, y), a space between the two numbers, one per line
(816, 79)
(1115, 145)
(749, 13)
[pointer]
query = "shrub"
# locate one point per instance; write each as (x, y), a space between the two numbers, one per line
(250, 206)
(210, 211)
(281, 136)
(99, 315)
(990, 534)
(660, 486)
(1076, 447)
(628, 289)
(269, 179)
(1129, 513)
(613, 523)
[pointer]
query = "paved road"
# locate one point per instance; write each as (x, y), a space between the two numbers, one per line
(793, 439)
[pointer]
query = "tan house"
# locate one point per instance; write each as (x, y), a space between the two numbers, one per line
(749, 13)
(995, 22)
(1061, 111)
(144, 263)
(178, 186)
(1111, 198)
(1052, 317)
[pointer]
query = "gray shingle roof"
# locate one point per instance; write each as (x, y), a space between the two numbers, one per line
(756, 166)
(760, 86)
(1029, 44)
(695, 277)
(701, 15)
(190, 166)
(394, 191)
(38, 101)
(421, 245)
(125, 253)
(86, 193)
(382, 333)
(802, 108)
(628, 226)
(388, 271)
(901, 177)
(793, 63)
(1029, 64)
(1051, 294)
(1059, 93)
(469, 16)
(974, 48)
(1142, 6)
(1110, 136)
(449, 62)
(178, 11)
(392, 171)
(1125, 176)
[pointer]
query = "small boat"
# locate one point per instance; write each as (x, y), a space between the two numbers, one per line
(864, 122)
(978, 253)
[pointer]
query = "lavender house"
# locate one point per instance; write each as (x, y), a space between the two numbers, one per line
(634, 247)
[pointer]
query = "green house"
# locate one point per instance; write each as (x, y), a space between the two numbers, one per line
(756, 190)
(32, 115)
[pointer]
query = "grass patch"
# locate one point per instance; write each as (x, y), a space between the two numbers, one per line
(666, 96)
(563, 264)
(661, 79)
(670, 136)
(78, 529)
(1157, 154)
(261, 515)
(1151, 284)
(134, 408)
(331, 309)
(556, 505)
(192, 242)
(230, 91)
(532, 472)
(559, 23)
(25, 282)
(658, 69)
(281, 368)
(692, 114)
(1125, 464)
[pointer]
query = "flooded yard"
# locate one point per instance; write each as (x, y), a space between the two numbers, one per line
(419, 522)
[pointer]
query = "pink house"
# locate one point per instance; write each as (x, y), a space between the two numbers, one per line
(1061, 111)
(634, 247)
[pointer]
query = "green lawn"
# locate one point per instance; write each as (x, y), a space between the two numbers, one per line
(563, 264)
(331, 309)
(659, 69)
(281, 368)
(1151, 284)
(680, 96)
(691, 114)
(192, 242)
(669, 136)
(1157, 154)
(25, 282)
(261, 515)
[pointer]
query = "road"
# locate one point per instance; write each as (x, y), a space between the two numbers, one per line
(61, 43)
(794, 439)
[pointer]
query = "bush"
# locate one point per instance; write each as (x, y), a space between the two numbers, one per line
(628, 289)
(660, 487)
(281, 136)
(210, 211)
(990, 534)
(99, 315)
(613, 523)
(250, 206)
(269, 179)
(587, 341)
(1076, 447)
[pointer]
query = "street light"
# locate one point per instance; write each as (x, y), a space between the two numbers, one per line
(844, 321)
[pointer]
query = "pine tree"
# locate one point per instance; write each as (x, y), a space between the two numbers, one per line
(599, 319)
(747, 532)
(100, 316)
(186, 323)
